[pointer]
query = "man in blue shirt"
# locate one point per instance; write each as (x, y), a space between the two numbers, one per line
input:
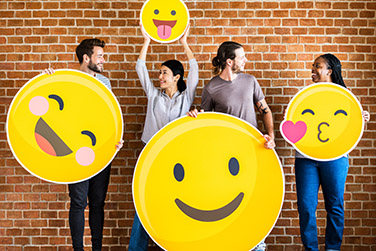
(90, 55)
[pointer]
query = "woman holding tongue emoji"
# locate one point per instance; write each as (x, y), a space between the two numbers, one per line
(172, 101)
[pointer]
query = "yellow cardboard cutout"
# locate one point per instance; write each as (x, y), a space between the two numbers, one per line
(323, 121)
(63, 127)
(164, 21)
(208, 183)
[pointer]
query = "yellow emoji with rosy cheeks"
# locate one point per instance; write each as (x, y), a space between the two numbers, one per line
(164, 21)
(63, 127)
(323, 121)
(208, 183)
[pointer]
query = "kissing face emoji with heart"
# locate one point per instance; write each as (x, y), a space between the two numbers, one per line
(323, 121)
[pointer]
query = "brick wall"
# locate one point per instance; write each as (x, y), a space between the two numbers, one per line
(281, 38)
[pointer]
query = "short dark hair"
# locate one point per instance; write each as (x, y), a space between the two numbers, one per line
(86, 47)
(333, 63)
(177, 68)
(225, 51)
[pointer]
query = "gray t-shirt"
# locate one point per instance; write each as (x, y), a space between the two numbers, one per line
(161, 108)
(236, 97)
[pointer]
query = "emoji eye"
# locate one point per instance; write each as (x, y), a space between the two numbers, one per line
(308, 111)
(58, 99)
(179, 172)
(173, 13)
(156, 11)
(233, 166)
(91, 135)
(340, 111)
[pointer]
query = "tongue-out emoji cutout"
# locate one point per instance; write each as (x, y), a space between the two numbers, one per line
(164, 21)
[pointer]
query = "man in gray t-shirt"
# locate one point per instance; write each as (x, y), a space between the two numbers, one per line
(236, 97)
(236, 93)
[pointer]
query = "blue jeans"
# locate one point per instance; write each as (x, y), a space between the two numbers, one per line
(139, 237)
(95, 189)
(331, 175)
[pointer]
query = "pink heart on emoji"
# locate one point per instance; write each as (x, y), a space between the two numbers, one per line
(293, 132)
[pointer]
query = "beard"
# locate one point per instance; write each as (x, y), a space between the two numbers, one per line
(236, 69)
(94, 67)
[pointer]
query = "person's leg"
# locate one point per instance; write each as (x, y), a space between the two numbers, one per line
(78, 194)
(333, 177)
(97, 194)
(307, 187)
(139, 237)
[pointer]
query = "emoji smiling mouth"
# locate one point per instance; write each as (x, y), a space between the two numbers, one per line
(164, 28)
(210, 215)
(48, 140)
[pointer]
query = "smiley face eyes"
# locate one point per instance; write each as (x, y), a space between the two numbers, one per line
(233, 166)
(156, 12)
(336, 113)
(179, 173)
(340, 112)
(308, 111)
(59, 100)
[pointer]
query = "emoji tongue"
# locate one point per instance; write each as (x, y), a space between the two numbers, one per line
(164, 31)
(44, 144)
(164, 28)
(49, 141)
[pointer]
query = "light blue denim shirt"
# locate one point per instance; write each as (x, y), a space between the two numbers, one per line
(103, 80)
(161, 108)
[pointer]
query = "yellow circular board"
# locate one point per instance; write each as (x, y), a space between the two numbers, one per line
(208, 183)
(164, 21)
(323, 121)
(63, 127)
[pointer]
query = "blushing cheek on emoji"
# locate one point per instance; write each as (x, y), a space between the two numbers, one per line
(323, 121)
(63, 127)
(199, 182)
(164, 21)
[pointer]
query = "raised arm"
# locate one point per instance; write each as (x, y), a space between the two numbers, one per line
(145, 47)
(183, 41)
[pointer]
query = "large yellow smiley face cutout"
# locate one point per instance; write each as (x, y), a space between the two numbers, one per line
(208, 183)
(323, 121)
(164, 21)
(64, 127)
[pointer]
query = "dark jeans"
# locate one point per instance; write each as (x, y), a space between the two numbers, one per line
(139, 238)
(331, 175)
(95, 190)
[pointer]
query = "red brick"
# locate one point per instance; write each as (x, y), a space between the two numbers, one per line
(281, 40)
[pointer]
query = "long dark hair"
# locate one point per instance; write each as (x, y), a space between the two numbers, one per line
(334, 64)
(177, 68)
(225, 51)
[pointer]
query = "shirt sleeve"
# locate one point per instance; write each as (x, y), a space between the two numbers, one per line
(258, 95)
(206, 101)
(143, 76)
(192, 81)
